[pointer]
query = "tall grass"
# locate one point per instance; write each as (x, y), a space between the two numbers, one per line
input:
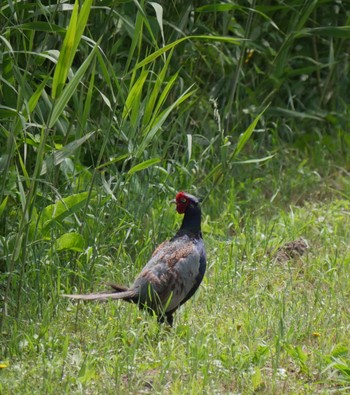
(104, 106)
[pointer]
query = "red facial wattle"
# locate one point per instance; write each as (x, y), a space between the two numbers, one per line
(182, 202)
(181, 207)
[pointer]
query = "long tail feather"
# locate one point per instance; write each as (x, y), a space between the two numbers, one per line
(126, 295)
(117, 287)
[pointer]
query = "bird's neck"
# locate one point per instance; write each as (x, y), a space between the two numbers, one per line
(191, 223)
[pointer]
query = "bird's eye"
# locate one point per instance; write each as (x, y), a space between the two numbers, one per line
(183, 200)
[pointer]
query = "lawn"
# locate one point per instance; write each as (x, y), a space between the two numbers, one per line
(258, 324)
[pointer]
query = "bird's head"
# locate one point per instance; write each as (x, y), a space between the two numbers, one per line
(184, 200)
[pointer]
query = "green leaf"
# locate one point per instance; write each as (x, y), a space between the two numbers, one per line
(305, 13)
(340, 350)
(159, 14)
(327, 31)
(41, 27)
(114, 160)
(66, 54)
(143, 165)
(163, 96)
(166, 48)
(70, 44)
(33, 101)
(60, 155)
(3, 205)
(132, 103)
(246, 135)
(57, 212)
(68, 91)
(295, 114)
(70, 241)
(7, 112)
(218, 8)
(215, 173)
(150, 110)
(157, 124)
(82, 20)
(87, 104)
(258, 160)
(256, 379)
(6, 43)
(136, 32)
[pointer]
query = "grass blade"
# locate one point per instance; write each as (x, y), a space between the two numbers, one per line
(70, 44)
(160, 120)
(161, 51)
(66, 54)
(143, 165)
(132, 103)
(246, 135)
(159, 14)
(59, 156)
(70, 89)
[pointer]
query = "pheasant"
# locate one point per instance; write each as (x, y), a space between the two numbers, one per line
(174, 272)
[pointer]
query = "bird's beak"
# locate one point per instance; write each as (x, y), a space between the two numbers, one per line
(173, 201)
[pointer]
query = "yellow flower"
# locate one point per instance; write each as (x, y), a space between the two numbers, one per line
(3, 365)
(316, 334)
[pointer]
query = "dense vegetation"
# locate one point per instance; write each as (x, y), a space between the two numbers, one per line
(107, 109)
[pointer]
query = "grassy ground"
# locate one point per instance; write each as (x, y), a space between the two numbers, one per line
(257, 325)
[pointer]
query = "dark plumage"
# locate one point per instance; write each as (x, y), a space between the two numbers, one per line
(174, 272)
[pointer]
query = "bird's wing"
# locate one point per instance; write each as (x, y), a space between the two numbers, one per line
(201, 270)
(171, 274)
